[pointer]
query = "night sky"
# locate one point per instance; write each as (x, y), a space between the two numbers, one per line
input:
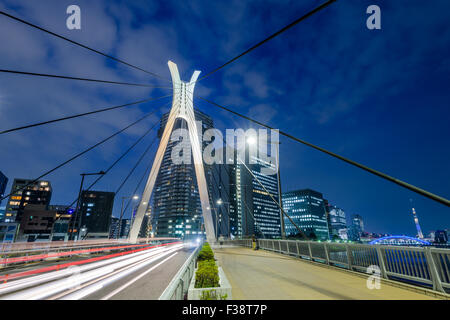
(379, 97)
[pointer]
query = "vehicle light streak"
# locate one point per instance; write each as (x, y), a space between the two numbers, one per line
(39, 279)
(105, 282)
(55, 287)
(126, 285)
(62, 254)
(8, 277)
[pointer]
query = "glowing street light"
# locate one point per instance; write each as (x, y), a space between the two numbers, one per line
(251, 140)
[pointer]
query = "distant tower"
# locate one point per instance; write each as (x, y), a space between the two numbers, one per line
(416, 221)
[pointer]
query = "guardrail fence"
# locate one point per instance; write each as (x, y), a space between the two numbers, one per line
(421, 266)
(179, 285)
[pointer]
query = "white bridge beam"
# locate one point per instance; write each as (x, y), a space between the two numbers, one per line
(182, 107)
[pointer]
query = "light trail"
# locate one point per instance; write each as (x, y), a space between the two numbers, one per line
(9, 277)
(36, 280)
(105, 282)
(86, 279)
(62, 254)
(129, 283)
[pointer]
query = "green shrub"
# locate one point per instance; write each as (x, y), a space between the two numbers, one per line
(205, 253)
(207, 274)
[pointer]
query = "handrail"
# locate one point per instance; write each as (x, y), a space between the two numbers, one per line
(182, 278)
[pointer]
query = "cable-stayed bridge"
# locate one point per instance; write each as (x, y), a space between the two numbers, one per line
(117, 267)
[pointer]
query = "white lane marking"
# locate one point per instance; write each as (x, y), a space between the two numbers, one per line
(90, 283)
(85, 291)
(135, 279)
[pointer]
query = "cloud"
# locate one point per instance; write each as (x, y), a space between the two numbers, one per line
(318, 77)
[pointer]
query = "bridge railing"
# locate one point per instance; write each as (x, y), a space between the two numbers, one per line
(179, 285)
(420, 266)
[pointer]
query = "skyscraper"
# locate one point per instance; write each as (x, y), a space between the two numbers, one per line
(39, 192)
(265, 211)
(306, 208)
(252, 211)
(176, 208)
(3, 183)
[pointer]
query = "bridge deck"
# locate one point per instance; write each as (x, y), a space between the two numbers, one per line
(265, 275)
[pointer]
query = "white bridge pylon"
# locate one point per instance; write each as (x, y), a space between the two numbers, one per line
(182, 107)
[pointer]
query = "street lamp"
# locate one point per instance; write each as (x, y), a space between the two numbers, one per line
(135, 197)
(77, 222)
(251, 140)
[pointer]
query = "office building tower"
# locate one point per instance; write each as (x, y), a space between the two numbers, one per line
(242, 224)
(22, 194)
(356, 228)
(358, 221)
(176, 210)
(440, 237)
(3, 183)
(266, 211)
(337, 222)
(64, 218)
(36, 223)
(252, 211)
(95, 214)
(307, 209)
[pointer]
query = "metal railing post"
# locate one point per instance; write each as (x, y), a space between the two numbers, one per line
(310, 252)
(298, 251)
(437, 284)
(382, 264)
(327, 256)
(287, 245)
(349, 256)
(279, 246)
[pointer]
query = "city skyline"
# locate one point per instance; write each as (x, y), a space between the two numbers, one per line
(392, 132)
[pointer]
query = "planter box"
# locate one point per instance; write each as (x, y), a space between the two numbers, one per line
(225, 287)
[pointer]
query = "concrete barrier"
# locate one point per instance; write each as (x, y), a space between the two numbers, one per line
(223, 292)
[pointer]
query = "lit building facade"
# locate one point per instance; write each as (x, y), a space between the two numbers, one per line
(95, 211)
(252, 211)
(307, 209)
(176, 210)
(39, 192)
(266, 212)
(337, 222)
(356, 227)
